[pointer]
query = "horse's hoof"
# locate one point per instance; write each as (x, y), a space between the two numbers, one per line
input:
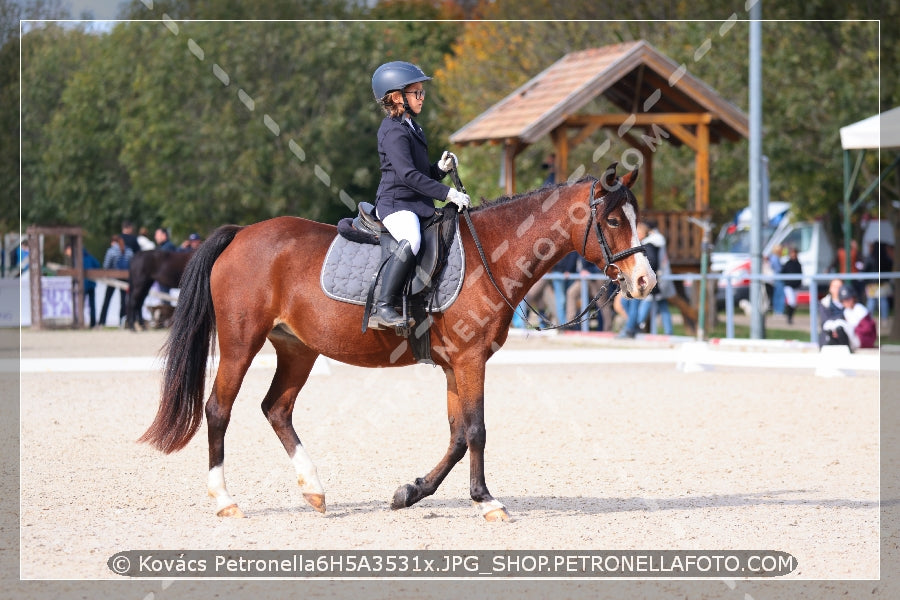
(497, 515)
(231, 510)
(403, 497)
(317, 501)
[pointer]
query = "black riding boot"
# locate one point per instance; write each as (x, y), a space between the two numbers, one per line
(789, 311)
(393, 277)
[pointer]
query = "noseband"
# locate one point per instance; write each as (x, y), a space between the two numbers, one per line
(609, 259)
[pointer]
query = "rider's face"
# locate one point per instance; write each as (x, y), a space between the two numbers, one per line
(415, 96)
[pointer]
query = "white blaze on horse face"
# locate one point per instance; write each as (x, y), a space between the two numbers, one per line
(637, 286)
(216, 486)
(307, 476)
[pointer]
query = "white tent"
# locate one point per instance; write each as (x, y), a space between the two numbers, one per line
(878, 131)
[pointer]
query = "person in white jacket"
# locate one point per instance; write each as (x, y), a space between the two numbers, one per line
(842, 331)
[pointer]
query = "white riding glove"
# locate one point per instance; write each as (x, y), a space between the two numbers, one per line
(458, 198)
(448, 162)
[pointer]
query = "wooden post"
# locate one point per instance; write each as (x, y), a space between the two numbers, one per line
(509, 166)
(34, 277)
(78, 280)
(648, 180)
(561, 146)
(701, 168)
(35, 262)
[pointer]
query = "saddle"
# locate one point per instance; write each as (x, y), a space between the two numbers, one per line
(437, 236)
(350, 272)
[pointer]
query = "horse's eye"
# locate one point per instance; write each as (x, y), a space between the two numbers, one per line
(612, 222)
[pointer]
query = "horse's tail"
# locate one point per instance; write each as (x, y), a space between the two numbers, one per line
(187, 349)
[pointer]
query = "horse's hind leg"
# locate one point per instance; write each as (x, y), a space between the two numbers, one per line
(295, 362)
(218, 413)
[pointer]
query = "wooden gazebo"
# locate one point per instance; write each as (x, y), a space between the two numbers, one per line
(660, 100)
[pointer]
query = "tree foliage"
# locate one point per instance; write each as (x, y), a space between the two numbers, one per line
(190, 123)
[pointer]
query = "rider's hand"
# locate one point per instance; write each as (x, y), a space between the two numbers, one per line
(448, 162)
(458, 198)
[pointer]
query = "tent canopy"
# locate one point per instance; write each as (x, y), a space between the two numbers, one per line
(878, 131)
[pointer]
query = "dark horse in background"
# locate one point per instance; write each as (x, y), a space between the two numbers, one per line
(163, 266)
(248, 284)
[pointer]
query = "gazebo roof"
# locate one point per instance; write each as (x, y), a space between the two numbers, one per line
(633, 75)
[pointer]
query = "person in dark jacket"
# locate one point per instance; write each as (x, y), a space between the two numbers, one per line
(163, 242)
(791, 267)
(409, 182)
(90, 286)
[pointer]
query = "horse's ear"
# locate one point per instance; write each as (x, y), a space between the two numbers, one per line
(630, 178)
(609, 176)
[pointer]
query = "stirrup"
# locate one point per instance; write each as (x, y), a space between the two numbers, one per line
(377, 320)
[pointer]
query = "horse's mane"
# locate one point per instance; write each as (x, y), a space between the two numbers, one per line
(615, 198)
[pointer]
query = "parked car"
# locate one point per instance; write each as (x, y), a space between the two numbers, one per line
(731, 253)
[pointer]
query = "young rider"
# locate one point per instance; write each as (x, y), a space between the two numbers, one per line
(409, 182)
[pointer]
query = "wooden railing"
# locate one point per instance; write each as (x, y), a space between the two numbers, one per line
(684, 240)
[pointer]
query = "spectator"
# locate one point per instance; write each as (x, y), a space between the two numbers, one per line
(573, 295)
(841, 258)
(639, 310)
(878, 291)
(129, 238)
(665, 287)
(831, 308)
(90, 286)
(791, 267)
(118, 256)
(548, 296)
(162, 240)
(775, 290)
(549, 165)
(855, 329)
(20, 257)
(192, 243)
(144, 240)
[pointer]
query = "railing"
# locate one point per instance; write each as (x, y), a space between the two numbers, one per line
(684, 240)
(816, 282)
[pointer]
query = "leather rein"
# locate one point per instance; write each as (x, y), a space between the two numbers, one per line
(609, 260)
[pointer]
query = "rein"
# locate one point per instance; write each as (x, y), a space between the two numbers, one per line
(608, 257)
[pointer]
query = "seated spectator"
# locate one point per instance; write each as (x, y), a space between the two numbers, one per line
(830, 308)
(855, 328)
(192, 243)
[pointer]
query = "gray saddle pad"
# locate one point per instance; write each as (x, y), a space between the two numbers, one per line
(350, 266)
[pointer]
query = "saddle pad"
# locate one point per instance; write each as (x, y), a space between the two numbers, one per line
(350, 266)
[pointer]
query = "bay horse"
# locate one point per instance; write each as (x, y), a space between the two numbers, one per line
(250, 283)
(163, 266)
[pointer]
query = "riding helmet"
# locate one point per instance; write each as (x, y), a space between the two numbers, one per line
(395, 75)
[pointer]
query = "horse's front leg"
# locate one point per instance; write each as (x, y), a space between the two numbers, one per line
(471, 400)
(466, 421)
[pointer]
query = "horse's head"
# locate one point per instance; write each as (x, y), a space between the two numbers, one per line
(615, 246)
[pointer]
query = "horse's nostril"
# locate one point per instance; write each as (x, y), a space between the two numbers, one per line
(642, 282)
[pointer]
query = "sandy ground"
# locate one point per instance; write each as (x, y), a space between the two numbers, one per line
(585, 458)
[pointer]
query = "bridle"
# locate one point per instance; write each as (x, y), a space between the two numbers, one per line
(609, 259)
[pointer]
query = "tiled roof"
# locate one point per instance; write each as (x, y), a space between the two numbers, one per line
(633, 75)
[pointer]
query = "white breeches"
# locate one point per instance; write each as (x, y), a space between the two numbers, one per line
(404, 225)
